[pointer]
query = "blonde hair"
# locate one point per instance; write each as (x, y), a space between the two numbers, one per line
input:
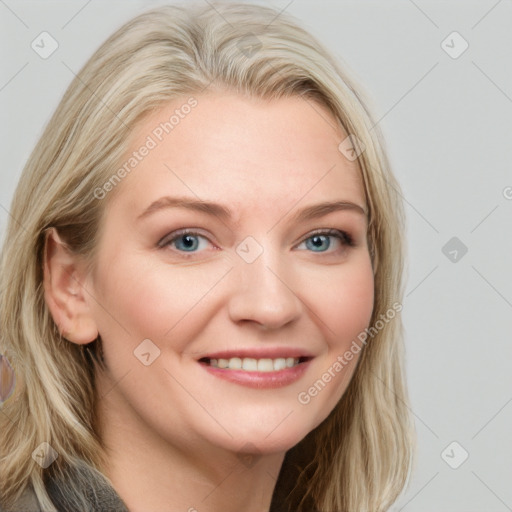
(359, 458)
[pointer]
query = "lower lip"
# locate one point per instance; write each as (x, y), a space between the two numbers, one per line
(260, 380)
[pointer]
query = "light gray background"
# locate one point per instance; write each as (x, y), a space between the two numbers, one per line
(447, 125)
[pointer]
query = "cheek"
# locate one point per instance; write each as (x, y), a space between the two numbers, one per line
(149, 299)
(347, 304)
(344, 304)
(345, 307)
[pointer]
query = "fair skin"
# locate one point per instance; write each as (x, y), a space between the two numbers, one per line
(174, 429)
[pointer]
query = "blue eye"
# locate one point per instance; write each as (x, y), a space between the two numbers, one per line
(184, 241)
(187, 241)
(321, 240)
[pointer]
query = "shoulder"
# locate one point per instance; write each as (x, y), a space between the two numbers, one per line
(80, 488)
(26, 503)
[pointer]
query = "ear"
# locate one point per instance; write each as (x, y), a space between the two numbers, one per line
(65, 293)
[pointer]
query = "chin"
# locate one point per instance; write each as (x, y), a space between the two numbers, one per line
(263, 440)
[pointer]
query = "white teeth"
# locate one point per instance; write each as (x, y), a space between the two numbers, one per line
(251, 365)
(235, 363)
(265, 365)
(255, 365)
(280, 363)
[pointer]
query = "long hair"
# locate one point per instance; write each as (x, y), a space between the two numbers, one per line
(359, 457)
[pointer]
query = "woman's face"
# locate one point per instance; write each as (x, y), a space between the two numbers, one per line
(250, 285)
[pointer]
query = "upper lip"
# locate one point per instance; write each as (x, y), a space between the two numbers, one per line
(260, 353)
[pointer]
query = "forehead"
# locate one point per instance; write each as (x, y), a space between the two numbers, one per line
(246, 152)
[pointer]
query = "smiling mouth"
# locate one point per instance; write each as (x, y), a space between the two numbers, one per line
(250, 364)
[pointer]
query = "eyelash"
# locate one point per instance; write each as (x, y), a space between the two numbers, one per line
(344, 237)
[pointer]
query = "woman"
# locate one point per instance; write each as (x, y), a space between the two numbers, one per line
(202, 307)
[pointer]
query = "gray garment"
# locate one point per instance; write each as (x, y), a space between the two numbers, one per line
(98, 494)
(27, 503)
(106, 500)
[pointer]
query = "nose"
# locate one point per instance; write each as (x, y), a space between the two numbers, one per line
(263, 293)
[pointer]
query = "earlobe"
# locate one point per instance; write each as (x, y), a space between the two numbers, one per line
(64, 291)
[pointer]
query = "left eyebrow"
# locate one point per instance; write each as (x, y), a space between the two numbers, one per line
(321, 209)
(214, 209)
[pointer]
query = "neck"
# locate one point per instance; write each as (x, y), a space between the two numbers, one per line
(186, 475)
